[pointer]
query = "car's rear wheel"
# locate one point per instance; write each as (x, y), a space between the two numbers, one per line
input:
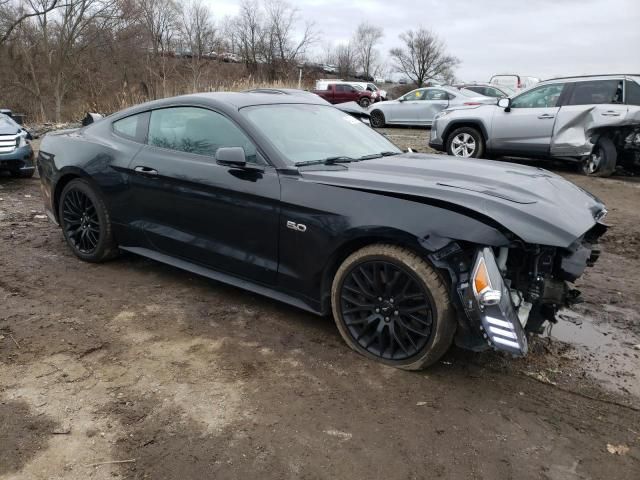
(85, 222)
(603, 159)
(465, 142)
(364, 102)
(391, 305)
(377, 119)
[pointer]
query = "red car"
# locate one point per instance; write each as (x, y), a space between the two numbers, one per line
(342, 92)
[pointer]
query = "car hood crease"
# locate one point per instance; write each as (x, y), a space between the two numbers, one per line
(536, 205)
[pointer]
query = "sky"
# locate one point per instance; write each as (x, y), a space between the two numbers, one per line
(541, 38)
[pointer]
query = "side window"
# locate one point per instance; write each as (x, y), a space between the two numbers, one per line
(196, 130)
(415, 95)
(435, 94)
(540, 97)
(131, 127)
(596, 92)
(633, 93)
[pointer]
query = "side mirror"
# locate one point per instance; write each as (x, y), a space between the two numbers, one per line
(505, 103)
(235, 157)
(231, 157)
(402, 99)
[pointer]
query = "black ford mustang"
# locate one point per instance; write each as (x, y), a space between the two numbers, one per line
(288, 197)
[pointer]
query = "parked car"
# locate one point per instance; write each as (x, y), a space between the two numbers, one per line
(381, 94)
(513, 81)
(344, 92)
(420, 106)
(327, 68)
(352, 108)
(594, 120)
(285, 196)
(487, 90)
(229, 57)
(376, 93)
(16, 154)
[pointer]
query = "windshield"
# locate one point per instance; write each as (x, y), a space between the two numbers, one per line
(306, 133)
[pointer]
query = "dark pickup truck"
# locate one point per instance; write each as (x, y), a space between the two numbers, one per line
(342, 92)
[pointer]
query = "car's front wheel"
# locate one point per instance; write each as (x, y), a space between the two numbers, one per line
(85, 222)
(392, 306)
(377, 119)
(603, 159)
(465, 142)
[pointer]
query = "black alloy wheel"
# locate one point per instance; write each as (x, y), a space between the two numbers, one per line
(86, 223)
(386, 310)
(81, 222)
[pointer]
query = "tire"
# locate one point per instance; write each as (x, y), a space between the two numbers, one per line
(377, 119)
(465, 142)
(81, 208)
(22, 173)
(377, 328)
(602, 160)
(364, 102)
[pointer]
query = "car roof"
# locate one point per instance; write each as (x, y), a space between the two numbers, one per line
(604, 76)
(224, 101)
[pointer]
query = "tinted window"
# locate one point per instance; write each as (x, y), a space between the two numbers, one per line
(633, 93)
(130, 127)
(344, 88)
(596, 92)
(196, 130)
(540, 97)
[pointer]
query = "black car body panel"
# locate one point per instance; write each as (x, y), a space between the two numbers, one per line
(283, 231)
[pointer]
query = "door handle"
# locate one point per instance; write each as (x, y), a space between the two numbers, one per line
(545, 116)
(610, 114)
(146, 171)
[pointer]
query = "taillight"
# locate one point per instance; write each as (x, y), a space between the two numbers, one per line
(472, 103)
(519, 84)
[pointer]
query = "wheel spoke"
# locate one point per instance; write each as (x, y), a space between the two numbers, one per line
(80, 221)
(386, 309)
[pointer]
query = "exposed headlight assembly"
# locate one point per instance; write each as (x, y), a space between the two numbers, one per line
(488, 304)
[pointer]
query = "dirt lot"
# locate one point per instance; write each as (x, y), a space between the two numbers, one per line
(176, 376)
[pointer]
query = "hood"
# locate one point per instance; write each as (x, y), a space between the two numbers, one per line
(536, 205)
(8, 126)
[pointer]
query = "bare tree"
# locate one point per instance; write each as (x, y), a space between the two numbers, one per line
(281, 48)
(250, 33)
(366, 38)
(345, 60)
(423, 56)
(11, 16)
(198, 30)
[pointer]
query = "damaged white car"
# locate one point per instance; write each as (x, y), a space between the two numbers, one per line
(594, 120)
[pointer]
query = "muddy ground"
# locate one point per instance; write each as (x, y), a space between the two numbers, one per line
(178, 377)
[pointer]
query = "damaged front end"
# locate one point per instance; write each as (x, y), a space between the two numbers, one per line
(505, 293)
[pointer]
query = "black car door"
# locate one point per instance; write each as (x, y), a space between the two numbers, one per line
(192, 208)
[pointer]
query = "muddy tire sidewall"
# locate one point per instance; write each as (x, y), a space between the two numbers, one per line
(444, 321)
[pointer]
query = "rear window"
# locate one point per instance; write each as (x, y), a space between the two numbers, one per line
(633, 93)
(596, 92)
(132, 127)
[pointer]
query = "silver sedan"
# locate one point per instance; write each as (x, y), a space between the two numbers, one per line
(421, 105)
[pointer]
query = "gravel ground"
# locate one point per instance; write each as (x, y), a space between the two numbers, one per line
(177, 377)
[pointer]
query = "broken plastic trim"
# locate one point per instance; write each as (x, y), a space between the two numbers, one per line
(497, 322)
